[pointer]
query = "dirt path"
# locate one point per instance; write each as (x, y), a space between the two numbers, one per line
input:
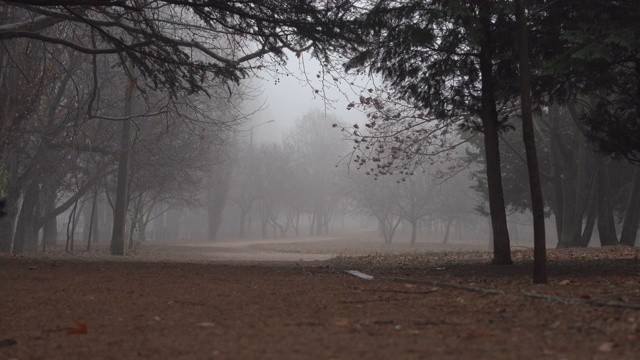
(255, 250)
(296, 249)
(129, 310)
(242, 301)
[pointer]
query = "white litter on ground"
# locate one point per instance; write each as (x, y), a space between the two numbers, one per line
(359, 274)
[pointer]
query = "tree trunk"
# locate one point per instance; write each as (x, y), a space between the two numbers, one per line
(243, 220)
(218, 192)
(137, 220)
(606, 225)
(383, 228)
(392, 228)
(592, 211)
(319, 222)
(159, 226)
(414, 232)
(556, 167)
(568, 208)
(297, 223)
(312, 225)
(445, 240)
(264, 221)
(50, 231)
(11, 203)
(501, 245)
(632, 215)
(173, 224)
(570, 191)
(122, 188)
(528, 136)
(582, 187)
(86, 214)
(143, 232)
(74, 223)
(327, 220)
(108, 221)
(95, 230)
(26, 239)
(92, 219)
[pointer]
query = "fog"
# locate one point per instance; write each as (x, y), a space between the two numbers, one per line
(227, 137)
(285, 172)
(281, 168)
(286, 166)
(293, 178)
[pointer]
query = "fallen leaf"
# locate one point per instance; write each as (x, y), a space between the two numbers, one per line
(207, 324)
(606, 346)
(342, 322)
(480, 333)
(81, 328)
(410, 286)
(633, 337)
(564, 282)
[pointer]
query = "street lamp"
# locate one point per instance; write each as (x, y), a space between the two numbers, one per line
(251, 149)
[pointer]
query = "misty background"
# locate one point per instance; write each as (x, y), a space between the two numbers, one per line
(123, 149)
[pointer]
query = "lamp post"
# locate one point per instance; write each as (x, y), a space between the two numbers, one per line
(251, 147)
(255, 126)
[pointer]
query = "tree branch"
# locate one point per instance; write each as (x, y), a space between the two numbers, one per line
(30, 35)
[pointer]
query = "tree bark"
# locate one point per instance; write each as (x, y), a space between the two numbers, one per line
(571, 188)
(632, 215)
(86, 214)
(630, 227)
(414, 231)
(92, 219)
(606, 226)
(11, 203)
(243, 220)
(218, 193)
(556, 166)
(537, 203)
(319, 222)
(446, 233)
(592, 212)
(50, 231)
(501, 244)
(122, 188)
(582, 187)
(26, 239)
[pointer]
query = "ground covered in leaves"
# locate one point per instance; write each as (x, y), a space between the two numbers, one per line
(420, 304)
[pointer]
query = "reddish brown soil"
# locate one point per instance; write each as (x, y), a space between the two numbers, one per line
(203, 309)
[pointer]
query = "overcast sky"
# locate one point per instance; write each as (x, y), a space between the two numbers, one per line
(292, 96)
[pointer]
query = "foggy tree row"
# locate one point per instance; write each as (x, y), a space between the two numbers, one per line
(68, 120)
(450, 69)
(303, 184)
(126, 103)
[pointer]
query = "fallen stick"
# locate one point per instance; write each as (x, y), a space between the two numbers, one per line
(551, 298)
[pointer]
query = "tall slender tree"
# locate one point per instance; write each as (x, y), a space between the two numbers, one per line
(537, 204)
